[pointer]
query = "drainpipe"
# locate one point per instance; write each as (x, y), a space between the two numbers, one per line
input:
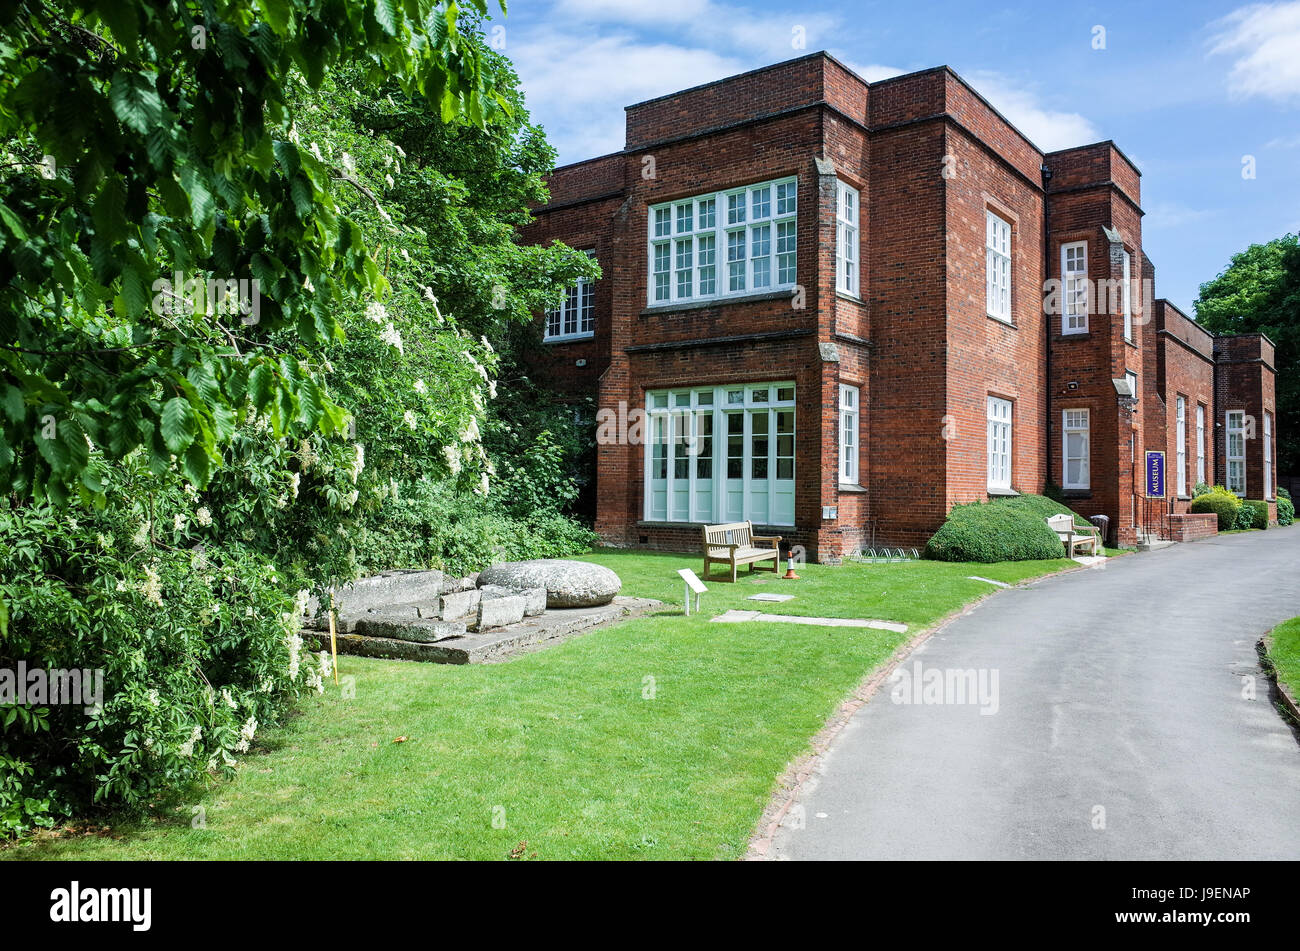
(1047, 330)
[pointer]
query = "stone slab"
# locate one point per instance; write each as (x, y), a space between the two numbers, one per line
(423, 631)
(458, 604)
(769, 596)
(492, 646)
(999, 584)
(498, 612)
(733, 616)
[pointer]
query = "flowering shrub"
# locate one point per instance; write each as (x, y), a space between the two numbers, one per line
(198, 643)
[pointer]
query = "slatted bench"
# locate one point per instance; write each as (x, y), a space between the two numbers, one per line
(736, 544)
(1073, 536)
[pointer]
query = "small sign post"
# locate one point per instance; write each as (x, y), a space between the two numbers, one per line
(1155, 483)
(693, 583)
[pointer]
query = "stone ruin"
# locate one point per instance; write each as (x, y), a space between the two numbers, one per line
(426, 615)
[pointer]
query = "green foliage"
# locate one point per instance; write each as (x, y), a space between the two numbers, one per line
(1222, 503)
(1259, 292)
(1252, 514)
(145, 140)
(1010, 529)
(197, 643)
(1285, 509)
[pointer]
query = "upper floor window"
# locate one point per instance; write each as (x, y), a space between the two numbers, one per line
(999, 443)
(848, 434)
(846, 239)
(997, 267)
(754, 228)
(1127, 296)
(1074, 287)
(574, 317)
(1235, 426)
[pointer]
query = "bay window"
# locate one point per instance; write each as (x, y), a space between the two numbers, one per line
(1074, 288)
(721, 454)
(1235, 438)
(1076, 449)
(999, 444)
(849, 434)
(754, 227)
(846, 239)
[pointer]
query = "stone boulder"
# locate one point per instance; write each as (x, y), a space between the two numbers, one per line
(568, 584)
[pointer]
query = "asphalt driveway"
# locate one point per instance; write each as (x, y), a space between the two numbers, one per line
(1123, 715)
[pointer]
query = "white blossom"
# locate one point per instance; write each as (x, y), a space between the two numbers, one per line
(141, 537)
(419, 387)
(203, 516)
(151, 587)
(390, 336)
(376, 311)
(409, 418)
(179, 523)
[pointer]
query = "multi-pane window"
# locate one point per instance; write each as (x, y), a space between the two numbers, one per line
(997, 266)
(1077, 451)
(999, 443)
(1200, 443)
(753, 227)
(1181, 445)
(1074, 287)
(846, 239)
(849, 434)
(1127, 296)
(721, 453)
(1235, 426)
(574, 317)
(1268, 455)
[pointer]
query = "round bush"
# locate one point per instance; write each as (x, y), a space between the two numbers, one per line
(1013, 529)
(1222, 503)
(1285, 510)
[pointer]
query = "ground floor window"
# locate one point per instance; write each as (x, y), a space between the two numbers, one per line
(1200, 443)
(1235, 424)
(1077, 449)
(1268, 455)
(721, 454)
(1181, 446)
(999, 443)
(849, 434)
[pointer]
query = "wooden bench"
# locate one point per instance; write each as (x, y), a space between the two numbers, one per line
(1072, 536)
(736, 544)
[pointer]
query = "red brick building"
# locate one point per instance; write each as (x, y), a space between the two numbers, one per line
(837, 308)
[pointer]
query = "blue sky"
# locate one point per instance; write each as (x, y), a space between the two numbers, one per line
(1187, 90)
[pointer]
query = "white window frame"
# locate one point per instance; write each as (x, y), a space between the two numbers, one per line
(1180, 446)
(999, 445)
(1075, 289)
(671, 448)
(1268, 457)
(850, 441)
(1074, 422)
(761, 218)
(1126, 295)
(1132, 377)
(997, 267)
(847, 216)
(576, 309)
(1200, 443)
(1234, 461)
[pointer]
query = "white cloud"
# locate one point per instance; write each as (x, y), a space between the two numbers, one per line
(1264, 38)
(577, 85)
(872, 72)
(1284, 142)
(1047, 128)
(1173, 214)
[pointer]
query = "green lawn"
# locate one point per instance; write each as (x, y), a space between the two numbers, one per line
(563, 748)
(1284, 652)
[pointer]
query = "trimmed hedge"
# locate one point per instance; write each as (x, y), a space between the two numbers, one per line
(1222, 503)
(1010, 529)
(1285, 509)
(1253, 514)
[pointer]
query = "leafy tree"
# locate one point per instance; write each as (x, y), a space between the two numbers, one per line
(150, 139)
(1260, 293)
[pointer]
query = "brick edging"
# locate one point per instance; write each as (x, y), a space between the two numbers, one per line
(792, 781)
